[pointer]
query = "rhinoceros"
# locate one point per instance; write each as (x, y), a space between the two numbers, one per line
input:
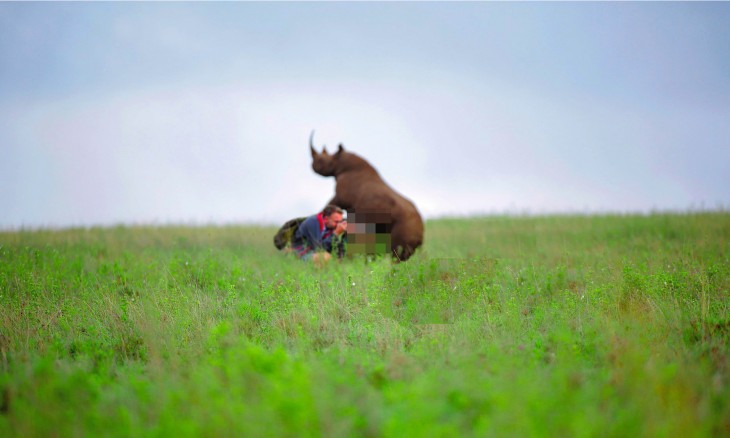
(379, 218)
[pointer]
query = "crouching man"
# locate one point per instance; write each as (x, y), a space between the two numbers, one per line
(319, 235)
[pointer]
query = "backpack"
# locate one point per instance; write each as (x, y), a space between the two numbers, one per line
(284, 236)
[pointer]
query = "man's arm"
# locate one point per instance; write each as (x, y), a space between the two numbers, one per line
(307, 235)
(337, 245)
(334, 243)
(311, 234)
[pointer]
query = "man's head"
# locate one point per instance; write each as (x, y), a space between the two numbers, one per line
(332, 215)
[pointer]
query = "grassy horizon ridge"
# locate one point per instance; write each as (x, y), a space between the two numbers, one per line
(514, 214)
(545, 325)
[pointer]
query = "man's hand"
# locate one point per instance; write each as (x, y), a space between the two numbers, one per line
(341, 228)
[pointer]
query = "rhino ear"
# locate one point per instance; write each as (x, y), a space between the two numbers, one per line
(324, 150)
(340, 149)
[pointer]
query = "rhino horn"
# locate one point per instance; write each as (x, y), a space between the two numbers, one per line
(311, 144)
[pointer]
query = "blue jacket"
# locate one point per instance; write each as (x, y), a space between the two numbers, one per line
(312, 235)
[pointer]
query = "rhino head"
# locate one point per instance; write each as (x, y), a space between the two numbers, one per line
(324, 163)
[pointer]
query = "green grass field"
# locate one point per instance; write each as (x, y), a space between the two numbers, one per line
(499, 326)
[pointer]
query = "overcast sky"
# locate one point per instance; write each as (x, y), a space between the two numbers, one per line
(201, 112)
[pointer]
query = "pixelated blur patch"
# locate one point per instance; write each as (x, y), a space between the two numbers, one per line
(369, 232)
